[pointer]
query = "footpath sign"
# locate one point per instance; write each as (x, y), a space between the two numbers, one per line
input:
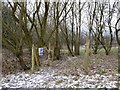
(40, 51)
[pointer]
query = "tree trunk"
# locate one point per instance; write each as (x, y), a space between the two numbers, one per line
(119, 59)
(107, 52)
(117, 36)
(77, 37)
(95, 49)
(44, 22)
(77, 45)
(72, 41)
(96, 46)
(57, 44)
(22, 63)
(79, 26)
(66, 35)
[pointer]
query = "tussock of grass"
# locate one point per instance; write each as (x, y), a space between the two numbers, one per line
(102, 71)
(59, 81)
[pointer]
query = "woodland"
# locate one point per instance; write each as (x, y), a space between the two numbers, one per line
(51, 41)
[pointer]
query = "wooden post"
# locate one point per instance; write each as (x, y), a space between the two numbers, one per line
(36, 57)
(53, 55)
(87, 53)
(49, 51)
(33, 61)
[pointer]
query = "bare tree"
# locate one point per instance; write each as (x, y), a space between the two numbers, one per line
(57, 21)
(13, 37)
(78, 27)
(98, 34)
(65, 33)
(117, 28)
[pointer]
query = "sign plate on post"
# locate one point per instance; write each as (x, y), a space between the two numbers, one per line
(40, 51)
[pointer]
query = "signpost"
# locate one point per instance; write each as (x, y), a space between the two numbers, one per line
(40, 51)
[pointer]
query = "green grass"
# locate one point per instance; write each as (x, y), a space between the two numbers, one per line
(114, 50)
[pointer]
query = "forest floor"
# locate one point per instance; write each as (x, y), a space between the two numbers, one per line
(66, 72)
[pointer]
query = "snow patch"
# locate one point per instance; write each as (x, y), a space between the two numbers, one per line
(45, 78)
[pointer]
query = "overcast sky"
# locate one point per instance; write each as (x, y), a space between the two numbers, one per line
(84, 16)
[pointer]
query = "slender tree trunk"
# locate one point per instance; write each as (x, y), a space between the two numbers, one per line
(24, 25)
(77, 37)
(72, 42)
(44, 22)
(117, 36)
(95, 50)
(57, 44)
(95, 47)
(79, 26)
(66, 35)
(77, 43)
(119, 59)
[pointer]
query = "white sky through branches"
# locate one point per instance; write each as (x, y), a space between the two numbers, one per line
(84, 14)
